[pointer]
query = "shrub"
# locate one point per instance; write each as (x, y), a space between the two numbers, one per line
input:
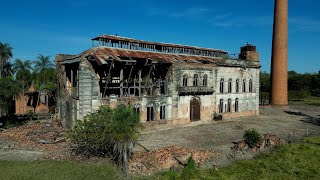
(252, 137)
(190, 170)
(90, 135)
(108, 131)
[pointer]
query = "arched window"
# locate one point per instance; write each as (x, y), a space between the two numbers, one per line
(221, 85)
(205, 80)
(229, 85)
(237, 85)
(244, 86)
(229, 105)
(195, 80)
(185, 80)
(236, 105)
(250, 85)
(221, 106)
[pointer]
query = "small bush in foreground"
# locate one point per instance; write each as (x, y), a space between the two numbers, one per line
(190, 170)
(108, 131)
(252, 137)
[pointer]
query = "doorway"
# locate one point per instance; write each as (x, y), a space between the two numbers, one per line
(195, 109)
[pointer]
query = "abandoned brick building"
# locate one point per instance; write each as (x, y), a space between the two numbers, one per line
(161, 81)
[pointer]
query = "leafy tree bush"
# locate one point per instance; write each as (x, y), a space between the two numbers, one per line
(252, 137)
(112, 132)
(190, 170)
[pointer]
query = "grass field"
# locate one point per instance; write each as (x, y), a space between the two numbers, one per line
(311, 100)
(292, 161)
(56, 170)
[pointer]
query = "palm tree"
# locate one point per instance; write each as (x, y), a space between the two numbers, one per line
(5, 54)
(44, 71)
(7, 70)
(42, 63)
(20, 65)
(125, 129)
(23, 75)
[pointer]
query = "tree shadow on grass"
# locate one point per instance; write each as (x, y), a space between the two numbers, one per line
(306, 118)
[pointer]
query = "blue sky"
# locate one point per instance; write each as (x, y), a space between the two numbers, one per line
(66, 26)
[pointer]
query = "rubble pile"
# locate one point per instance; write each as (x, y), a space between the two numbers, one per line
(48, 137)
(166, 158)
(267, 141)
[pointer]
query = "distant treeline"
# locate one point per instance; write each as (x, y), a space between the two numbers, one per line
(299, 85)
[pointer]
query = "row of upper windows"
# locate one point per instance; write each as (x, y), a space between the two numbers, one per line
(196, 80)
(237, 87)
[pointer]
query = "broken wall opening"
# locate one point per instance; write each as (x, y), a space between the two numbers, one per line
(131, 77)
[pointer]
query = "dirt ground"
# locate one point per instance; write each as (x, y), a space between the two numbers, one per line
(219, 136)
(290, 125)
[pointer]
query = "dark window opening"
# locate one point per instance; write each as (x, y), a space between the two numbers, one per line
(150, 114)
(221, 85)
(163, 112)
(230, 86)
(205, 80)
(221, 106)
(236, 105)
(229, 105)
(195, 80)
(137, 110)
(185, 80)
(244, 86)
(250, 85)
(237, 85)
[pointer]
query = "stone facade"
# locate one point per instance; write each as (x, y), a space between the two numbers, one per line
(173, 91)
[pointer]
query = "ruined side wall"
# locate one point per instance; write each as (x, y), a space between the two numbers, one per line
(88, 90)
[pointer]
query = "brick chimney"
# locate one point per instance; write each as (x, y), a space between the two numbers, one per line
(279, 59)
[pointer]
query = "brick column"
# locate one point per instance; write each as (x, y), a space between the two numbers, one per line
(279, 62)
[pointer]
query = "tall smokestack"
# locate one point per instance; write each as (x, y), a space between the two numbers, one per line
(279, 59)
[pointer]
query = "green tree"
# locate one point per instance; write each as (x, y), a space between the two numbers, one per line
(5, 55)
(8, 89)
(108, 131)
(315, 84)
(124, 132)
(299, 85)
(264, 86)
(44, 74)
(7, 70)
(23, 76)
(42, 63)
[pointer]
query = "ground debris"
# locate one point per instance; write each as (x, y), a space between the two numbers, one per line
(266, 142)
(166, 158)
(41, 137)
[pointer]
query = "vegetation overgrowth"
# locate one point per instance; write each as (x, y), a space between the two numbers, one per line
(291, 161)
(252, 137)
(302, 88)
(16, 78)
(112, 132)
